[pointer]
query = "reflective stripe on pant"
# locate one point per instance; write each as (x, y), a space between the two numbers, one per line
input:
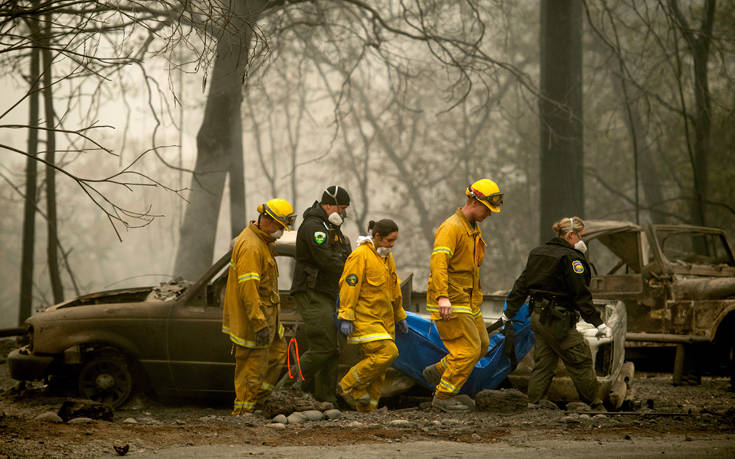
(367, 376)
(466, 339)
(319, 362)
(575, 354)
(256, 371)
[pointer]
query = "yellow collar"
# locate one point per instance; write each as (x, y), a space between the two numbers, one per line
(470, 230)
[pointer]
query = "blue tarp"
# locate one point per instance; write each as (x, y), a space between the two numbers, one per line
(422, 346)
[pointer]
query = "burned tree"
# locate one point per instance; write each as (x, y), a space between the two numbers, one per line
(560, 107)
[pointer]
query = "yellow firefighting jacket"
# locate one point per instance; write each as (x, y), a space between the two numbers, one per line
(370, 295)
(252, 301)
(455, 267)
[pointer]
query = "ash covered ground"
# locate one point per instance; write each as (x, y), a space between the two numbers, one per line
(684, 421)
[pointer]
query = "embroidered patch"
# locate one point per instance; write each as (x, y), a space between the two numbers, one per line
(320, 237)
(351, 280)
(577, 266)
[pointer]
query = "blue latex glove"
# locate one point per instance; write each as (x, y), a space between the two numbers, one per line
(403, 326)
(346, 327)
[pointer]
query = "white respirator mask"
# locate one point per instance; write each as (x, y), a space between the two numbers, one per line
(579, 245)
(383, 251)
(335, 218)
(277, 234)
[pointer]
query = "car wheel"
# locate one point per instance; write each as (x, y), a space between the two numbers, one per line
(106, 378)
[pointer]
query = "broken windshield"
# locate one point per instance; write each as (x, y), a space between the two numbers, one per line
(694, 247)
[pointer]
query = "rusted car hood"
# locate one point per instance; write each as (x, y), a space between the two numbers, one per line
(125, 295)
(597, 228)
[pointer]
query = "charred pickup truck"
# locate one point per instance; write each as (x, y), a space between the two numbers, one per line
(678, 286)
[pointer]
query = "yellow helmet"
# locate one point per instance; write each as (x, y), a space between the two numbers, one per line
(487, 192)
(280, 210)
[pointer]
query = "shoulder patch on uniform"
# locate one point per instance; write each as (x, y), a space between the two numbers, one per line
(577, 266)
(320, 237)
(351, 280)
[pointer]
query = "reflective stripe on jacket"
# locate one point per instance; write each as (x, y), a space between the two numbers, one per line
(252, 301)
(455, 267)
(370, 295)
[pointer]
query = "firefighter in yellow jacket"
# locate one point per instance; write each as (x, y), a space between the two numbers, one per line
(454, 296)
(252, 305)
(370, 308)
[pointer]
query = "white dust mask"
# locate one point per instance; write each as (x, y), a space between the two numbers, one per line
(383, 251)
(277, 234)
(335, 218)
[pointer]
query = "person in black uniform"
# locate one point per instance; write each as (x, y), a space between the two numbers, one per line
(556, 277)
(321, 252)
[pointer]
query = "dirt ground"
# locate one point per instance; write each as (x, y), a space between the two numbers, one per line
(687, 421)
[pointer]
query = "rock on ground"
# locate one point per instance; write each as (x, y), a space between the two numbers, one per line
(296, 418)
(288, 401)
(501, 401)
(313, 415)
(578, 407)
(49, 416)
(82, 408)
(333, 414)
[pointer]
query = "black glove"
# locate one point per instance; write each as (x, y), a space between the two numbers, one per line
(509, 349)
(263, 337)
(403, 326)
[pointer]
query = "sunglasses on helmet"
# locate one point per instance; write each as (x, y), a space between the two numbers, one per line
(288, 220)
(495, 199)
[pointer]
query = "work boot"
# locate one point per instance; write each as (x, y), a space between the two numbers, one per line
(288, 383)
(450, 405)
(345, 396)
(466, 400)
(548, 404)
(431, 374)
(597, 405)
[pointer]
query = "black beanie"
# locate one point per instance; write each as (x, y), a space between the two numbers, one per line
(341, 195)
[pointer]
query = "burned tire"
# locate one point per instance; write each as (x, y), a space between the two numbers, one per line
(106, 378)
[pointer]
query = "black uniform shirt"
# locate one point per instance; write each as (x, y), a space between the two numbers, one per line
(321, 251)
(560, 268)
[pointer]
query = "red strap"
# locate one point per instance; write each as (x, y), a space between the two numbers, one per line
(288, 358)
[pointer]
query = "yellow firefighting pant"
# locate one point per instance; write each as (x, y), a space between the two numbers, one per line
(367, 376)
(466, 339)
(256, 371)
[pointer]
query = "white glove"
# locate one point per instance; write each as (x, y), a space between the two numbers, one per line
(504, 318)
(603, 331)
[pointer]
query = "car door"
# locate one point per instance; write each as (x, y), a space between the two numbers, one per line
(200, 355)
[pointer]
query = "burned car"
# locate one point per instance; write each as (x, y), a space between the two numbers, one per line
(677, 283)
(166, 338)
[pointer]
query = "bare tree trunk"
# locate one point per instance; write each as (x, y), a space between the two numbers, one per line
(51, 223)
(218, 140)
(699, 43)
(29, 214)
(649, 177)
(238, 218)
(560, 107)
